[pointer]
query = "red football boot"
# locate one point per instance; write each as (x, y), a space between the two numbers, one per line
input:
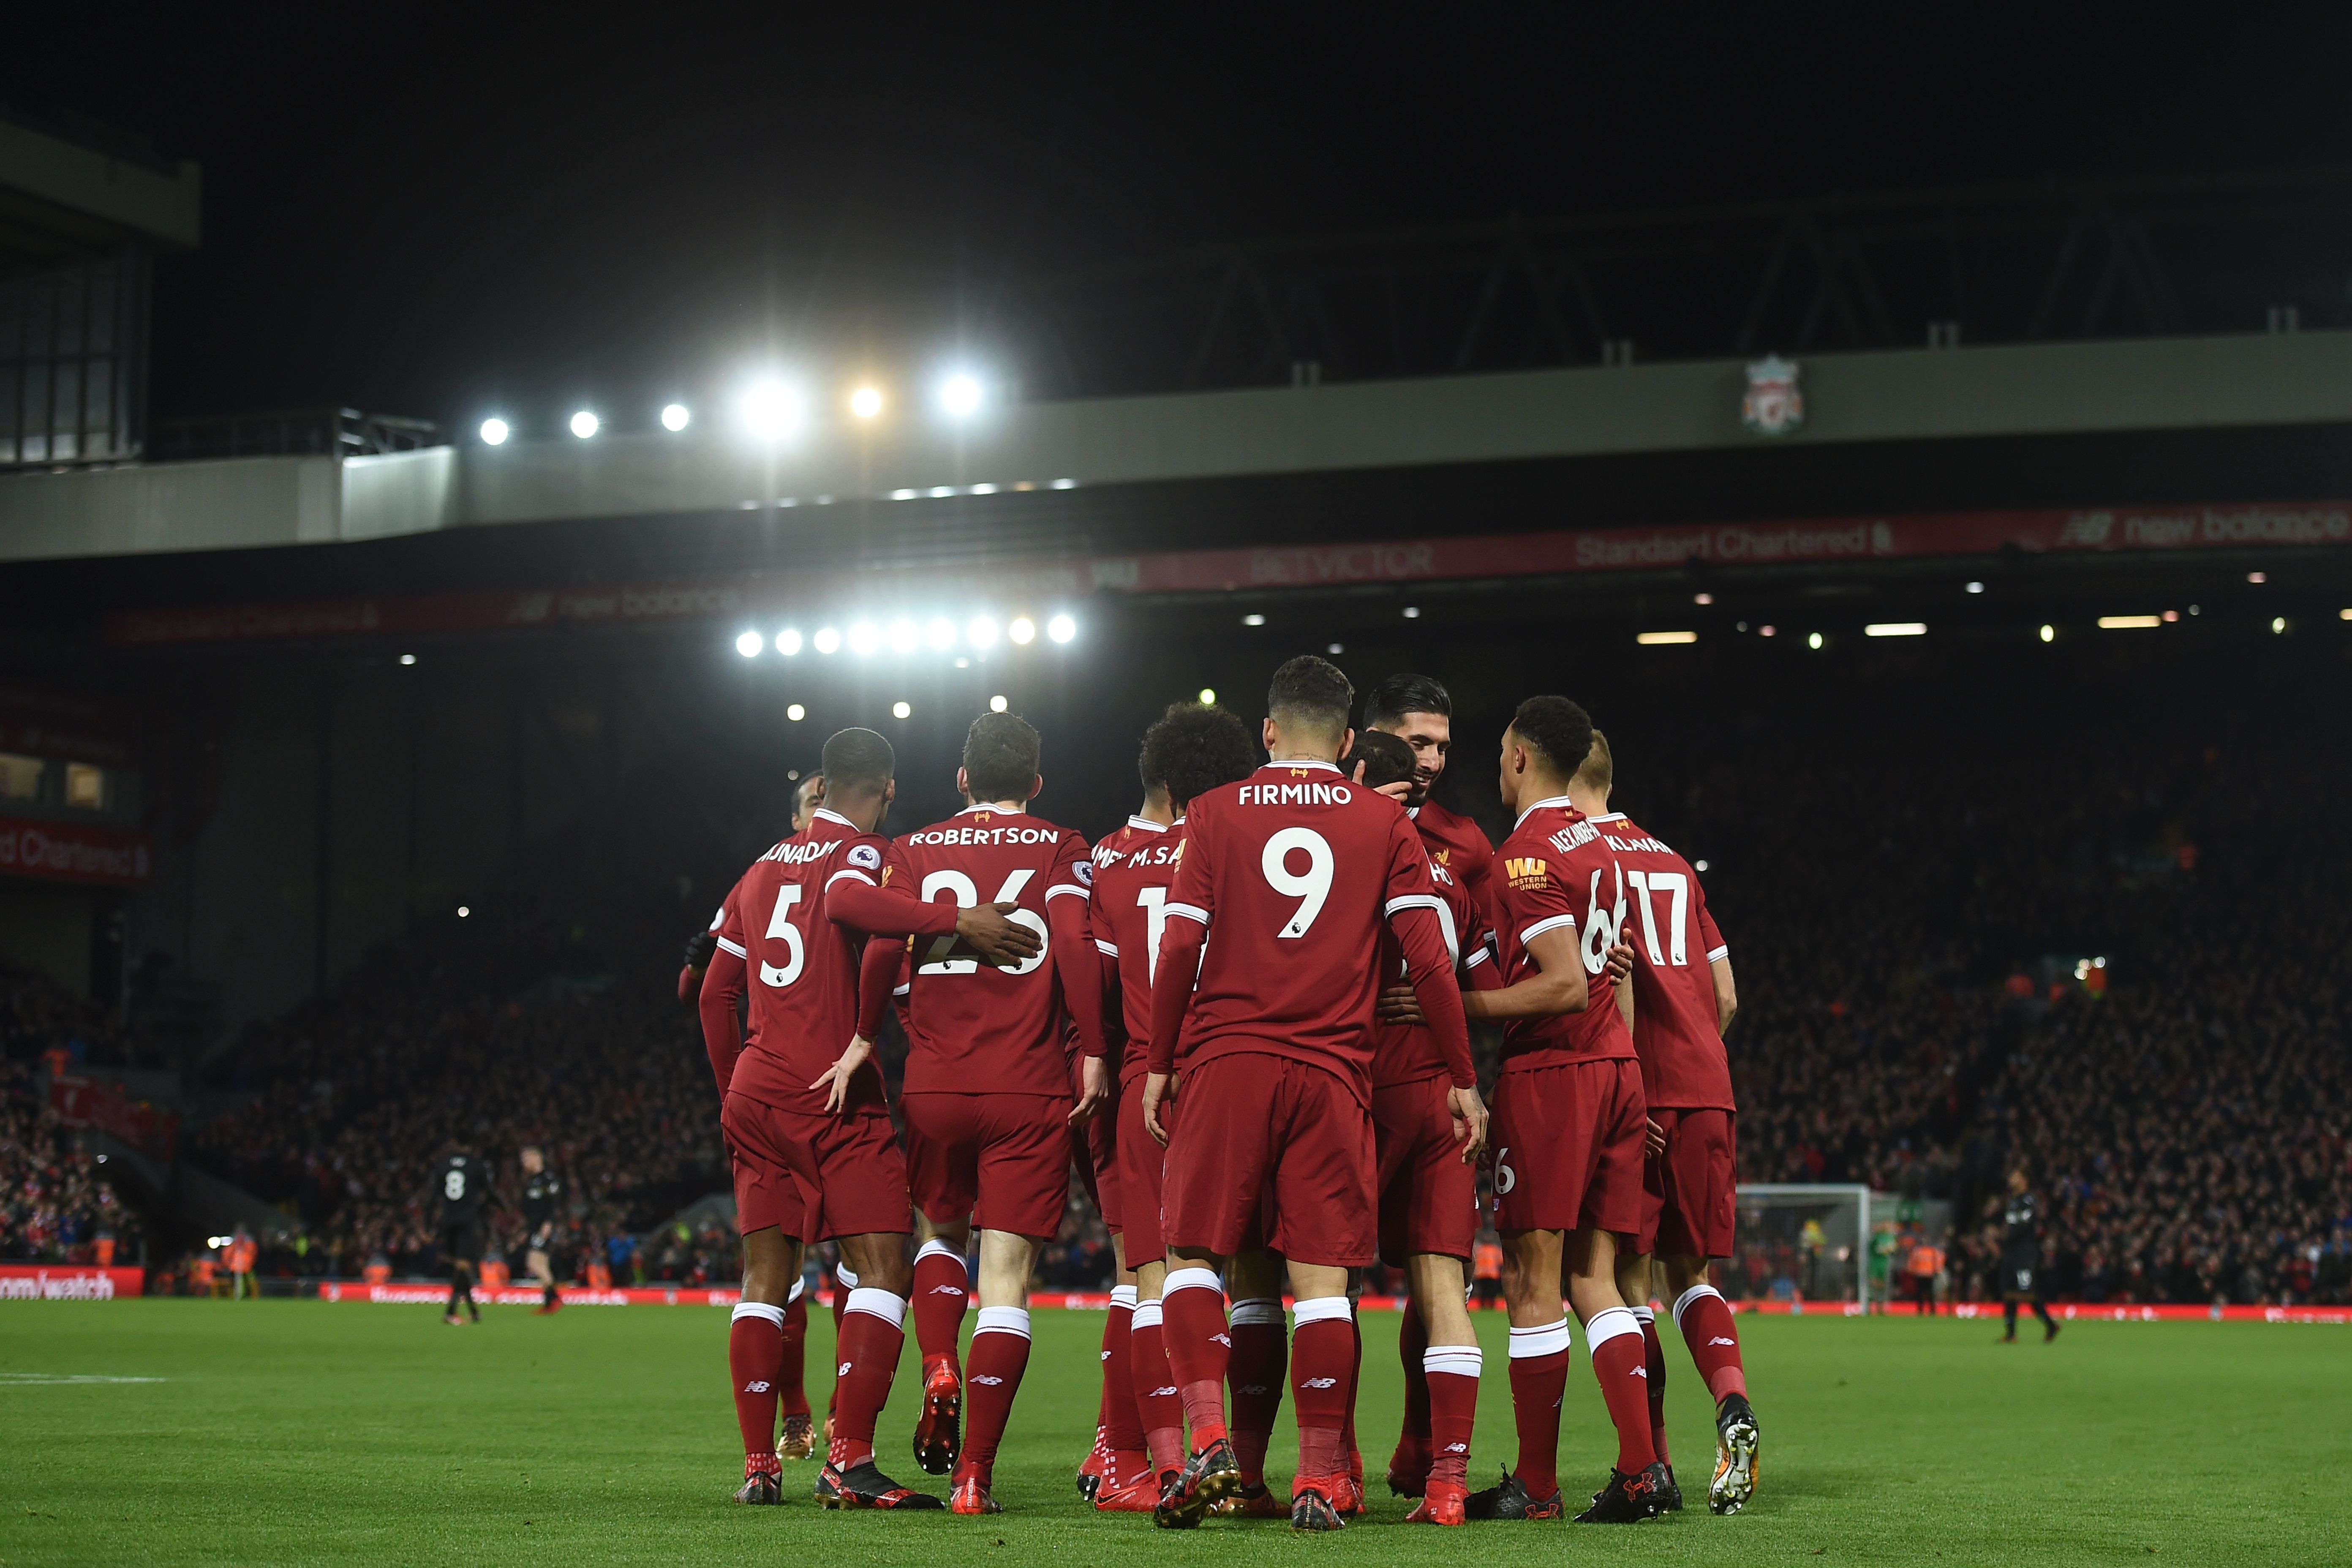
(937, 1431)
(1441, 1502)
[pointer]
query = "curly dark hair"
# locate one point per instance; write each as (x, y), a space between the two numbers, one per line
(1386, 759)
(1193, 748)
(1557, 728)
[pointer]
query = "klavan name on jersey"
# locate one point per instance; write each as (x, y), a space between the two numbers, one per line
(985, 838)
(1634, 846)
(1296, 794)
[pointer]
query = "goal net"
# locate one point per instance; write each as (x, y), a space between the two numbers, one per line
(1800, 1242)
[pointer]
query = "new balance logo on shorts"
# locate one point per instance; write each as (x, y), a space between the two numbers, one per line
(757, 1385)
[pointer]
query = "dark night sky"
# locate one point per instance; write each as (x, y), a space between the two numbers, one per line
(440, 215)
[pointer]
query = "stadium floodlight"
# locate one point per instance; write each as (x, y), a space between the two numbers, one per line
(2128, 623)
(827, 640)
(463, 911)
(408, 659)
(997, 704)
(2257, 578)
(675, 416)
(1022, 631)
(940, 632)
(863, 638)
(495, 432)
(981, 632)
(1813, 639)
(788, 641)
(2049, 632)
(1412, 612)
(901, 711)
(866, 402)
(903, 636)
(584, 424)
(749, 644)
(1061, 628)
(1698, 865)
(770, 409)
(1337, 648)
(1662, 639)
(1895, 629)
(1768, 631)
(960, 395)
(1066, 484)
(1252, 619)
(1702, 599)
(1208, 697)
(795, 712)
(2278, 624)
(1976, 587)
(2340, 614)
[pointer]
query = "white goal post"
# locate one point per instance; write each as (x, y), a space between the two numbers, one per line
(1805, 1242)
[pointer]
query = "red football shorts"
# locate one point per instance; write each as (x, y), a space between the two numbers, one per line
(1691, 1192)
(1003, 1159)
(813, 1176)
(1568, 1147)
(1094, 1151)
(1139, 1163)
(1270, 1152)
(1428, 1197)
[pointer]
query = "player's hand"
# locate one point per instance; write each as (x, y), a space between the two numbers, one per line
(1653, 1138)
(1094, 1084)
(1469, 1121)
(988, 930)
(835, 1081)
(1399, 1005)
(1155, 1089)
(1621, 959)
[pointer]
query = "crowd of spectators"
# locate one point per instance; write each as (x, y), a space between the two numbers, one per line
(56, 1204)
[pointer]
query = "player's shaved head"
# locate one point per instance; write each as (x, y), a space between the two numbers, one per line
(1599, 772)
(1193, 748)
(1387, 702)
(1556, 729)
(1000, 758)
(857, 763)
(1311, 697)
(1386, 759)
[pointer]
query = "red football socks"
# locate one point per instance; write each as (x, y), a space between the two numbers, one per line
(843, 1283)
(1194, 1303)
(1253, 1371)
(791, 1373)
(1319, 1387)
(1653, 1362)
(942, 1284)
(755, 1351)
(1355, 1380)
(1619, 1364)
(1157, 1403)
(1412, 1449)
(873, 1332)
(1122, 1416)
(1000, 1354)
(1705, 1318)
(1450, 1373)
(1538, 1381)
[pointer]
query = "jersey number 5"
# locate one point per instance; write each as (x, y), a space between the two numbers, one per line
(1310, 890)
(780, 925)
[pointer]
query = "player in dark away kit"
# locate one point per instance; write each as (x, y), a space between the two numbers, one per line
(461, 1182)
(543, 1190)
(2021, 1260)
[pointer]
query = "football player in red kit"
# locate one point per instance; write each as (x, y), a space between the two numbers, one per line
(805, 1169)
(1418, 711)
(1569, 1124)
(1294, 872)
(1683, 1000)
(1191, 750)
(987, 1101)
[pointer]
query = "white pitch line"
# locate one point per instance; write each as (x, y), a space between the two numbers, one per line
(42, 1379)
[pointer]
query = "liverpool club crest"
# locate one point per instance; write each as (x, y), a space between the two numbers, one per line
(1773, 406)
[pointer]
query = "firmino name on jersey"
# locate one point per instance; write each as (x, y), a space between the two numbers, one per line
(1296, 794)
(797, 854)
(988, 838)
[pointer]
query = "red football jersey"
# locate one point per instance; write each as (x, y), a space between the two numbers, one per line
(1291, 875)
(802, 966)
(973, 1028)
(1407, 1053)
(1133, 868)
(1675, 946)
(1553, 873)
(1460, 846)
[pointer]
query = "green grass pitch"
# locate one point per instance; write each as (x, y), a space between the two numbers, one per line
(300, 1432)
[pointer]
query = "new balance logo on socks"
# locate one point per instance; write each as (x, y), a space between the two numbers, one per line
(842, 1371)
(946, 1290)
(1167, 1392)
(1260, 1388)
(1719, 1340)
(984, 1378)
(1456, 1448)
(1640, 1371)
(1224, 1340)
(1103, 1356)
(1318, 1382)
(758, 1385)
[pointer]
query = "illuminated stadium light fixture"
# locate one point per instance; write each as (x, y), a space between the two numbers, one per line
(2128, 623)
(1412, 612)
(1813, 640)
(2049, 632)
(1895, 629)
(1252, 619)
(2257, 578)
(1768, 631)
(1661, 639)
(980, 633)
(1976, 587)
(495, 432)
(463, 911)
(866, 402)
(795, 712)
(749, 644)
(2340, 614)
(997, 704)
(940, 632)
(1022, 631)
(903, 636)
(1066, 484)
(827, 640)
(2170, 616)
(1208, 697)
(1698, 865)
(770, 409)
(960, 395)
(902, 711)
(584, 424)
(863, 638)
(788, 641)
(675, 416)
(983, 490)
(1337, 648)
(408, 659)
(1702, 599)
(904, 495)
(1061, 628)
(2278, 624)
